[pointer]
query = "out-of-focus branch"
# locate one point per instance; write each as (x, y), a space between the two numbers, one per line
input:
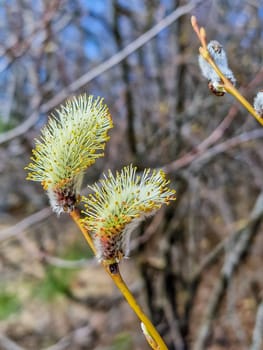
(97, 71)
(126, 73)
(257, 340)
(69, 264)
(22, 225)
(210, 140)
(227, 145)
(8, 344)
(202, 155)
(82, 335)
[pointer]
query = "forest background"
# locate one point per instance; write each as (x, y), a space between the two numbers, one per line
(196, 266)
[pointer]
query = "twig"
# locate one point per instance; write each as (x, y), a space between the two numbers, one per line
(174, 326)
(257, 339)
(202, 155)
(69, 264)
(226, 84)
(22, 225)
(158, 343)
(225, 146)
(79, 335)
(202, 147)
(97, 71)
(76, 218)
(8, 344)
(113, 272)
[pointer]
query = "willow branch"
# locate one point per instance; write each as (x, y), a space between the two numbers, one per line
(154, 340)
(158, 343)
(226, 84)
(257, 339)
(76, 218)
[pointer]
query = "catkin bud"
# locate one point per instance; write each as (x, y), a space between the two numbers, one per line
(118, 204)
(258, 103)
(69, 144)
(219, 56)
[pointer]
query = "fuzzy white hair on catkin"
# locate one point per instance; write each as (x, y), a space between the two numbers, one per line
(217, 53)
(129, 229)
(54, 203)
(121, 242)
(258, 103)
(219, 56)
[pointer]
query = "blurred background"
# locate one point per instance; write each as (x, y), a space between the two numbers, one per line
(196, 266)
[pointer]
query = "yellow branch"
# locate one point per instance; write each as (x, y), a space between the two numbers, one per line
(158, 343)
(75, 216)
(229, 87)
(226, 84)
(234, 92)
(154, 340)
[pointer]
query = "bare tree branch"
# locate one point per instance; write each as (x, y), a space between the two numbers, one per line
(82, 335)
(257, 340)
(227, 145)
(24, 224)
(212, 138)
(8, 344)
(69, 264)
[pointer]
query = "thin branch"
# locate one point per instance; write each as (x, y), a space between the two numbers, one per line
(8, 344)
(18, 228)
(69, 264)
(227, 145)
(226, 83)
(257, 339)
(158, 342)
(217, 133)
(201, 155)
(113, 272)
(174, 326)
(76, 218)
(78, 336)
